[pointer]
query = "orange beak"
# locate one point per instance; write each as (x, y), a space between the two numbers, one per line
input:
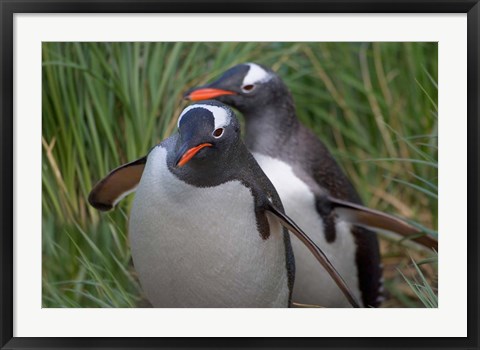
(207, 94)
(191, 153)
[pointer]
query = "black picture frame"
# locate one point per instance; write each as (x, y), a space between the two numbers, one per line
(7, 10)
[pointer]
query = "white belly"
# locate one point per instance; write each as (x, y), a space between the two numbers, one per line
(313, 285)
(199, 247)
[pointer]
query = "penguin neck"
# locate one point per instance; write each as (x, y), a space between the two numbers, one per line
(202, 172)
(269, 127)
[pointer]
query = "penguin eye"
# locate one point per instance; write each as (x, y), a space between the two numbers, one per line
(218, 132)
(248, 88)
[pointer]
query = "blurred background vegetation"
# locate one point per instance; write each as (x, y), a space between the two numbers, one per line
(104, 104)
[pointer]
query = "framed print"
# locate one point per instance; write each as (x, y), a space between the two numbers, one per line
(197, 174)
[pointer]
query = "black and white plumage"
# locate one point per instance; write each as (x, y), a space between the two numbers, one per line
(207, 228)
(304, 172)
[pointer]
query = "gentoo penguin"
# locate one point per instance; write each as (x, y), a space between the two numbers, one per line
(303, 172)
(207, 228)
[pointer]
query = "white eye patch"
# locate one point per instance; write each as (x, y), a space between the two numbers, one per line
(255, 75)
(220, 115)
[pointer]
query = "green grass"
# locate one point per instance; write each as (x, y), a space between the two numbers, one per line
(421, 286)
(104, 104)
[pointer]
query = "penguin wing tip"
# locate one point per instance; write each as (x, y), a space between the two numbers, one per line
(102, 206)
(97, 204)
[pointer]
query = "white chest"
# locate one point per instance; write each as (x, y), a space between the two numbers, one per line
(199, 247)
(313, 285)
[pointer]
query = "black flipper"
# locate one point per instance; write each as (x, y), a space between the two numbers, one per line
(316, 251)
(116, 185)
(363, 216)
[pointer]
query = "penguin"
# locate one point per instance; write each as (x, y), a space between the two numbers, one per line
(304, 172)
(207, 227)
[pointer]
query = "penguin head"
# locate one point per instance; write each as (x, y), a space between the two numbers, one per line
(246, 87)
(208, 133)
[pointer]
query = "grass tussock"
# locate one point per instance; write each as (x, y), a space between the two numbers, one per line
(104, 104)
